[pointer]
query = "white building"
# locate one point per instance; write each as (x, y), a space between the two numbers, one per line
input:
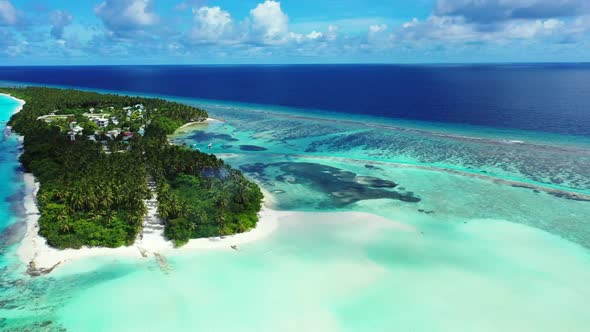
(101, 123)
(113, 133)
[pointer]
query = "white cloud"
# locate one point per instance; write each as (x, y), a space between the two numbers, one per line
(379, 36)
(59, 20)
(332, 33)
(297, 37)
(552, 23)
(454, 25)
(16, 50)
(8, 14)
(211, 24)
(270, 22)
(531, 29)
(414, 22)
(489, 11)
(314, 35)
(437, 28)
(126, 16)
(497, 21)
(377, 28)
(446, 29)
(267, 24)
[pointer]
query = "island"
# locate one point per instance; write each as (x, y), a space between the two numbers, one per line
(100, 157)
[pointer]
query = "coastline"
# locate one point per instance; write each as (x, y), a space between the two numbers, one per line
(40, 258)
(34, 248)
(34, 252)
(20, 102)
(195, 123)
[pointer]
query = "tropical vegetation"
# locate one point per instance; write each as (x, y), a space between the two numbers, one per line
(93, 188)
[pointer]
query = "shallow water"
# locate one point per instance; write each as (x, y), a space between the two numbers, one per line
(472, 252)
(350, 276)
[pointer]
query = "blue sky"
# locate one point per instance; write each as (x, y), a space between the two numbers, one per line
(34, 32)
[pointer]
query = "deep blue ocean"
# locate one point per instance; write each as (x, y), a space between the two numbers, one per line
(541, 97)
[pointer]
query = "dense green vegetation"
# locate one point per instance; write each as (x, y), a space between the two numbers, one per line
(92, 192)
(199, 196)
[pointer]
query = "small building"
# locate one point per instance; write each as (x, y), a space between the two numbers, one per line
(128, 135)
(113, 133)
(101, 123)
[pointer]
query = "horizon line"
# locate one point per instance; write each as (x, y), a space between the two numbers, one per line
(307, 64)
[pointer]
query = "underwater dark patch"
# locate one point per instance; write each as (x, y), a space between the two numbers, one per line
(13, 234)
(290, 179)
(253, 168)
(539, 163)
(570, 196)
(554, 193)
(205, 136)
(368, 166)
(252, 148)
(425, 211)
(342, 187)
(375, 182)
(16, 197)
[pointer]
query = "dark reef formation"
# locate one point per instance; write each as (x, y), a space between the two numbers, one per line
(343, 187)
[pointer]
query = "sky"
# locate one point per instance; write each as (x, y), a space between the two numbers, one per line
(94, 32)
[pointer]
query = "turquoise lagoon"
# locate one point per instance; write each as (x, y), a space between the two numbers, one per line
(479, 230)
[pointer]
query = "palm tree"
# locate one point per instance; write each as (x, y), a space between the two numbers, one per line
(64, 226)
(76, 201)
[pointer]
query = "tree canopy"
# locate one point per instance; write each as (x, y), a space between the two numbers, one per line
(92, 191)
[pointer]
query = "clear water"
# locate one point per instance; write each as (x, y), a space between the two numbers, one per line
(490, 245)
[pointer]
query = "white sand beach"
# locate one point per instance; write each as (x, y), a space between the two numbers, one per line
(34, 248)
(196, 123)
